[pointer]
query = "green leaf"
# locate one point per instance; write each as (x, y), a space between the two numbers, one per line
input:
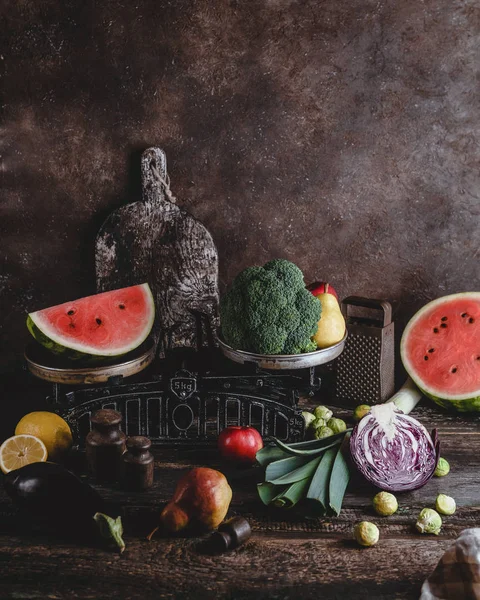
(282, 467)
(306, 470)
(268, 491)
(306, 445)
(269, 454)
(319, 486)
(320, 445)
(111, 530)
(339, 478)
(293, 494)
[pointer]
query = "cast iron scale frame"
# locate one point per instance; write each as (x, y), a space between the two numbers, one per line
(188, 397)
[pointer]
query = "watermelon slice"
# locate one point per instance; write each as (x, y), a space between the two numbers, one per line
(107, 324)
(440, 350)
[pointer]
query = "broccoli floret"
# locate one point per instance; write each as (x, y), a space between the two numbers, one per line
(268, 310)
(288, 273)
(307, 305)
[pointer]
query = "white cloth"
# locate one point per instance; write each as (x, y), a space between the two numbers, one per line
(457, 575)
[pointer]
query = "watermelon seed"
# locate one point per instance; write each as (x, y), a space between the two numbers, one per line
(464, 314)
(454, 370)
(425, 357)
(471, 320)
(435, 330)
(99, 321)
(443, 325)
(71, 312)
(443, 318)
(121, 306)
(431, 350)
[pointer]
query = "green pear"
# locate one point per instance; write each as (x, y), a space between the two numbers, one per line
(331, 327)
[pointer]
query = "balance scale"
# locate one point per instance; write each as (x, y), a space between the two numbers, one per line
(187, 397)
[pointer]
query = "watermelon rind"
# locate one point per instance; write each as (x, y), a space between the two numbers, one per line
(52, 346)
(71, 350)
(461, 402)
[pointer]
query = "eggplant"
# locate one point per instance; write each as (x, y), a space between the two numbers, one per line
(54, 497)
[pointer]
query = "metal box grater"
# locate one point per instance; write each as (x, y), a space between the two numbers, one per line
(365, 371)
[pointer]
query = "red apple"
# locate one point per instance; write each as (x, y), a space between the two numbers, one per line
(320, 287)
(239, 444)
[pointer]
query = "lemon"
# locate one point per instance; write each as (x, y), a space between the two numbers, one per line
(54, 432)
(21, 450)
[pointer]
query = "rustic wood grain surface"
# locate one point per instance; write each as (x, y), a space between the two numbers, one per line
(288, 555)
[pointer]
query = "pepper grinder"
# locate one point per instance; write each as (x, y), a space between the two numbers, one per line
(138, 464)
(105, 445)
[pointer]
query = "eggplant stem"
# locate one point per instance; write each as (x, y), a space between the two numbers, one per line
(152, 533)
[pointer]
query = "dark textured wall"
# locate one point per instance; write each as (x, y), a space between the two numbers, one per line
(342, 134)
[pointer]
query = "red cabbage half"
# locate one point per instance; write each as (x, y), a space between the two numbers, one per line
(393, 450)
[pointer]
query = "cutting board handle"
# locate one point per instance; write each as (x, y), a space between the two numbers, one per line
(155, 180)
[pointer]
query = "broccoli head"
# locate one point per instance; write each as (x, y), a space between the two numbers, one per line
(268, 310)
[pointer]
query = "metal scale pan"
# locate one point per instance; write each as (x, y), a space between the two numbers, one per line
(47, 366)
(284, 361)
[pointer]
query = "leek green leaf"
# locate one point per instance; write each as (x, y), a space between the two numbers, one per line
(339, 478)
(282, 467)
(269, 454)
(293, 494)
(320, 445)
(306, 445)
(306, 470)
(319, 485)
(268, 492)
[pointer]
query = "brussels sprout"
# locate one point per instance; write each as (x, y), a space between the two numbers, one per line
(429, 521)
(445, 504)
(366, 534)
(322, 412)
(317, 423)
(385, 504)
(336, 425)
(308, 417)
(443, 468)
(361, 411)
(323, 432)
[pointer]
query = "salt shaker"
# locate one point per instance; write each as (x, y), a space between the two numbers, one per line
(138, 464)
(105, 445)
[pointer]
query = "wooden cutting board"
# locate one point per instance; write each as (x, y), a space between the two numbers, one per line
(158, 242)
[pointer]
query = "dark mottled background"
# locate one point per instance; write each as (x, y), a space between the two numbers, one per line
(341, 134)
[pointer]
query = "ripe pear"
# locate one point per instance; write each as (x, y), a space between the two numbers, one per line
(201, 499)
(331, 327)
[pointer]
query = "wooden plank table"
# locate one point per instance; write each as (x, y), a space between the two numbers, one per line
(288, 556)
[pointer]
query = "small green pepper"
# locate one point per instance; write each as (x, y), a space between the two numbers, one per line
(445, 504)
(429, 521)
(366, 534)
(443, 468)
(385, 504)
